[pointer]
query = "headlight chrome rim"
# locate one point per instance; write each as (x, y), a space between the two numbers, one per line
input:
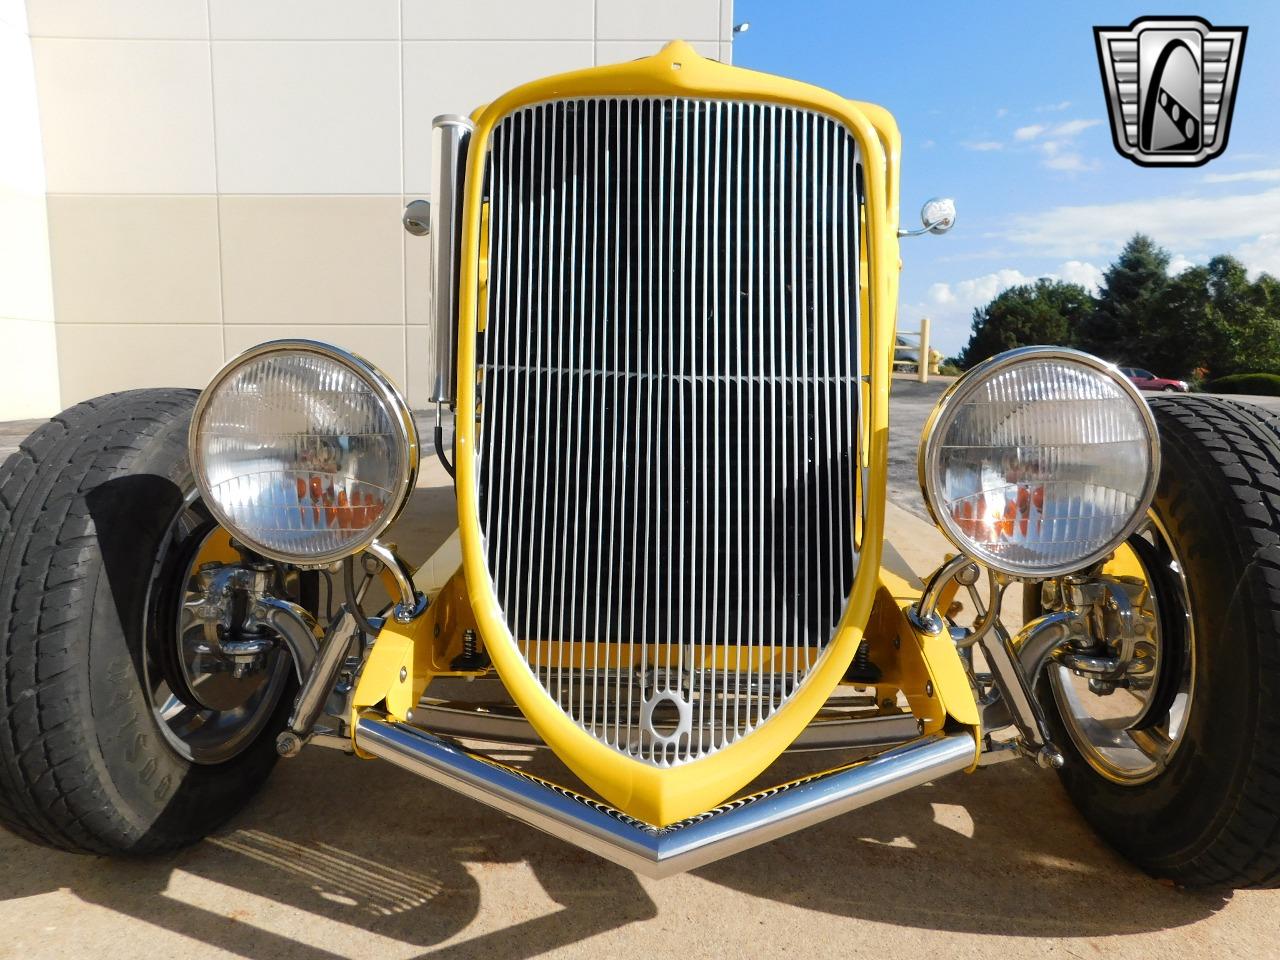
(928, 467)
(387, 394)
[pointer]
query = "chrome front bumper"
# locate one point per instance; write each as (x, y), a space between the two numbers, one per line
(660, 852)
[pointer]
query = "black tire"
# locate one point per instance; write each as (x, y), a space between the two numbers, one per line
(84, 508)
(1212, 817)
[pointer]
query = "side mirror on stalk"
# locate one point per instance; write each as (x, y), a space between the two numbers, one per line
(938, 216)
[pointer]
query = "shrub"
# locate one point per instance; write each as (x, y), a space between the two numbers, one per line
(1259, 384)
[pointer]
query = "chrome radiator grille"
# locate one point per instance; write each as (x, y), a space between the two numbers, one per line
(667, 391)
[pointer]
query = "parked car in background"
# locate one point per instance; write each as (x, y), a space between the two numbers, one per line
(1146, 380)
(906, 355)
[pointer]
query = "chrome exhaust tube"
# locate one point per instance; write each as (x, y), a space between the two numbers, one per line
(661, 852)
(450, 136)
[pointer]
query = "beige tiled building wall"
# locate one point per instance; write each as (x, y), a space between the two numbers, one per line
(28, 348)
(222, 172)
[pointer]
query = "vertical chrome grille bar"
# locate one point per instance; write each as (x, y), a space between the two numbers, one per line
(800, 375)
(847, 295)
(710, 311)
(486, 347)
(582, 230)
(698, 403)
(596, 389)
(668, 407)
(678, 452)
(620, 284)
(507, 572)
(754, 364)
(652, 495)
(824, 366)
(773, 374)
(544, 385)
(634, 114)
(514, 387)
(739, 352)
(609, 401)
(535, 133)
(571, 370)
(796, 339)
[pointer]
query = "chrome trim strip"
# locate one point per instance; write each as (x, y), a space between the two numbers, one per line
(449, 138)
(457, 720)
(661, 852)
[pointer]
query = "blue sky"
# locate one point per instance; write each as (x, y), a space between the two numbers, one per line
(1001, 106)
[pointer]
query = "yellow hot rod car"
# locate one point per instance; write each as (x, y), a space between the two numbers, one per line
(664, 305)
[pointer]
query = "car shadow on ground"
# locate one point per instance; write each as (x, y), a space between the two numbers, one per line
(368, 846)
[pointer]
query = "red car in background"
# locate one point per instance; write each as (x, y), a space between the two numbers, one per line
(1146, 380)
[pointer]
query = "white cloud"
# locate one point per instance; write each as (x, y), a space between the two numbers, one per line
(1002, 112)
(1254, 176)
(1062, 155)
(1069, 161)
(1073, 127)
(928, 144)
(1180, 222)
(1261, 255)
(979, 290)
(1056, 143)
(1054, 107)
(1060, 131)
(1086, 274)
(985, 145)
(950, 306)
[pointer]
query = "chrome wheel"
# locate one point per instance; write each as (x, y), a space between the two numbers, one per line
(208, 708)
(1130, 733)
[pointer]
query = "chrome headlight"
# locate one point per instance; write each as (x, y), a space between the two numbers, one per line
(1040, 461)
(304, 452)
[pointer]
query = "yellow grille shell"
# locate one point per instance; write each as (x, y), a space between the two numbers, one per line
(665, 795)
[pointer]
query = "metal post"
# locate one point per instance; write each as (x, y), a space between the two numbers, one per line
(923, 366)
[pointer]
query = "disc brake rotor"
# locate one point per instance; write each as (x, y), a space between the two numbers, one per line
(208, 707)
(1128, 732)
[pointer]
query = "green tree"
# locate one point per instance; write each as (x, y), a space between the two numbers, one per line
(1251, 338)
(1180, 334)
(1046, 312)
(1213, 318)
(1130, 288)
(1209, 318)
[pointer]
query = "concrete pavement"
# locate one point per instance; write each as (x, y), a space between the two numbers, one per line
(346, 858)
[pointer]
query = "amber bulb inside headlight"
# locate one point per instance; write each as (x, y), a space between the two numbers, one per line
(302, 451)
(1040, 461)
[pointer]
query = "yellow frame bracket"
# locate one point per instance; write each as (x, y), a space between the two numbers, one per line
(406, 657)
(926, 668)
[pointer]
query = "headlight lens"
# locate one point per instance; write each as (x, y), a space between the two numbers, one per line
(1040, 461)
(302, 451)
